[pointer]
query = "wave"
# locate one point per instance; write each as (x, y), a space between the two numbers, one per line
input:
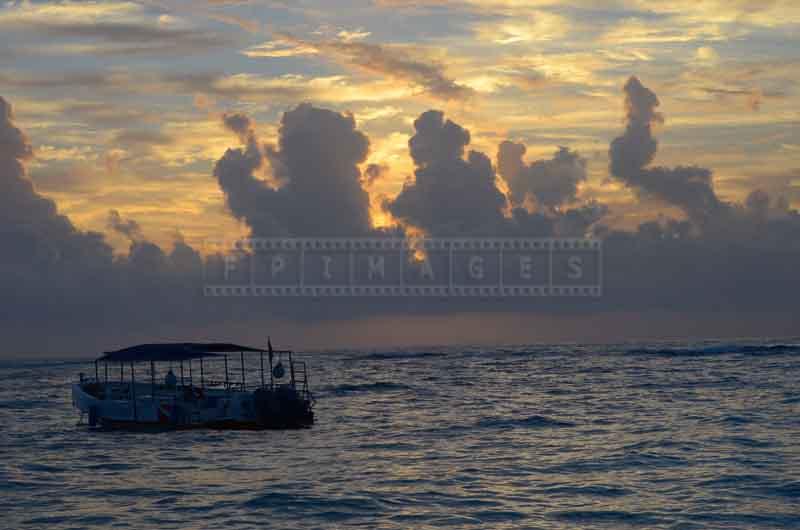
(378, 386)
(382, 356)
(606, 517)
(719, 349)
(21, 364)
(534, 421)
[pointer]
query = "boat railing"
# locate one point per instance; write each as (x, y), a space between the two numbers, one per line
(300, 379)
(195, 374)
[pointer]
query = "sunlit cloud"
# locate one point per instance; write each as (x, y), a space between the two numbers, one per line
(533, 27)
(399, 63)
(109, 27)
(637, 31)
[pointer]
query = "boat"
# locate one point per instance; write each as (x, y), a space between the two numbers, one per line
(234, 389)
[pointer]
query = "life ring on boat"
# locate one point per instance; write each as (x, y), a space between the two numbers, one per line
(198, 393)
(278, 371)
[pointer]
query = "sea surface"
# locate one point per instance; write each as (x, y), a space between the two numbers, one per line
(656, 435)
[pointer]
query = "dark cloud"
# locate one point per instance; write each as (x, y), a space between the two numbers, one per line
(122, 38)
(63, 284)
(127, 227)
(373, 173)
(239, 123)
(577, 222)
(14, 146)
(29, 222)
(316, 162)
(450, 195)
(454, 195)
(551, 183)
(690, 188)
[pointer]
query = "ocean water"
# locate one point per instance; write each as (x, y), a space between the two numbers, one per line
(680, 436)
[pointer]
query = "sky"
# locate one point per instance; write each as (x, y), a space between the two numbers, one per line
(132, 132)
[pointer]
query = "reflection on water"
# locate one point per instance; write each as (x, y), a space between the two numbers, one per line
(651, 436)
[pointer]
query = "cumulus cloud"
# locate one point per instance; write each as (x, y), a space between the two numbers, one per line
(62, 281)
(457, 193)
(30, 224)
(317, 163)
(690, 188)
(127, 227)
(450, 194)
(552, 183)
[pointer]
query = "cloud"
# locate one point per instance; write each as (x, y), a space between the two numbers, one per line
(29, 222)
(450, 195)
(458, 194)
(62, 282)
(373, 173)
(127, 227)
(519, 28)
(396, 63)
(753, 97)
(59, 282)
(239, 123)
(551, 183)
(690, 188)
(316, 163)
(141, 138)
(118, 28)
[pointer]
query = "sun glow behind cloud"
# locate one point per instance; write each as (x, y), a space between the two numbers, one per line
(546, 72)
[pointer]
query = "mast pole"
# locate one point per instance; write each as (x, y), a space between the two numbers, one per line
(227, 382)
(181, 373)
(153, 380)
(261, 356)
(201, 373)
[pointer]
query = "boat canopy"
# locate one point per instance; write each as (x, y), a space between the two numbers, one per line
(180, 351)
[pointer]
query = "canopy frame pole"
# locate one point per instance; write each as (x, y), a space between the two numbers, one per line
(227, 382)
(121, 372)
(241, 353)
(153, 380)
(202, 385)
(181, 373)
(96, 373)
(105, 365)
(271, 376)
(133, 393)
(191, 377)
